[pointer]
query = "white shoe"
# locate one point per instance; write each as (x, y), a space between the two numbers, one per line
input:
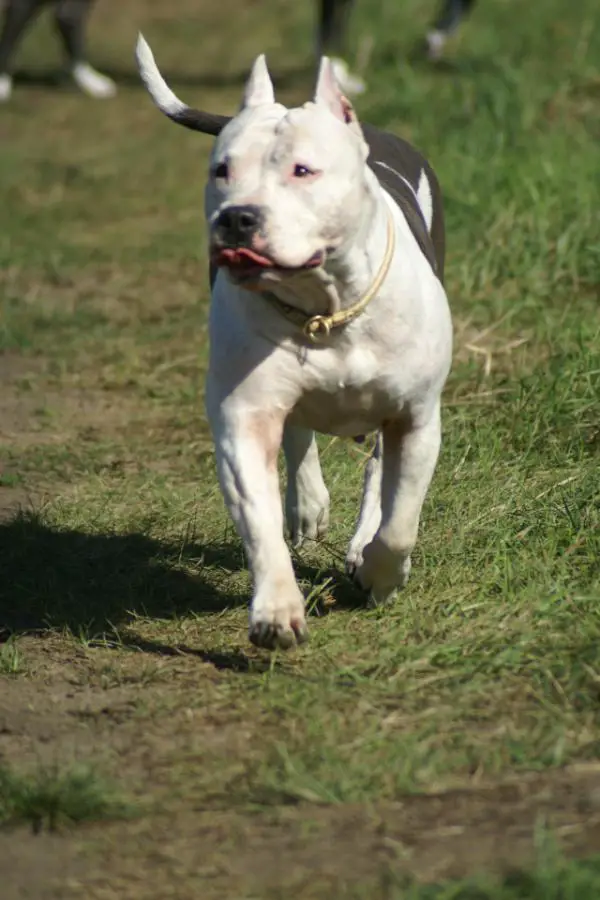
(349, 83)
(435, 44)
(5, 87)
(91, 82)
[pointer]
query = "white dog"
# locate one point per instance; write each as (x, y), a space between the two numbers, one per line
(328, 314)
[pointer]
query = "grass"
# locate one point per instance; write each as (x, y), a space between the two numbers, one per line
(488, 665)
(566, 881)
(11, 660)
(552, 881)
(49, 798)
(556, 880)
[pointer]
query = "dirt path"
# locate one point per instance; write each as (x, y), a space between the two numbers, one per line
(77, 703)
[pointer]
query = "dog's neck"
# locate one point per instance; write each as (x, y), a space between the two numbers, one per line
(355, 265)
(349, 272)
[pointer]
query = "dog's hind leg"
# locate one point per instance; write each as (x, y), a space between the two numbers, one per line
(410, 455)
(369, 516)
(71, 18)
(306, 498)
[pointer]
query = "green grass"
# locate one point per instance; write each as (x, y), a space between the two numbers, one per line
(11, 660)
(49, 798)
(567, 881)
(488, 665)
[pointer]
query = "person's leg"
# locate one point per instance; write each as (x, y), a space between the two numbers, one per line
(71, 20)
(18, 14)
(334, 19)
(451, 14)
(333, 26)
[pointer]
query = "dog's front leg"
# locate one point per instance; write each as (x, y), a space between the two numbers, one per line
(247, 444)
(306, 497)
(409, 457)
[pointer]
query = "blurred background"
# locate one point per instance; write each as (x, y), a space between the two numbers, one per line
(509, 120)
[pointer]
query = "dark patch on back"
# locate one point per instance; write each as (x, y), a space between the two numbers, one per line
(408, 163)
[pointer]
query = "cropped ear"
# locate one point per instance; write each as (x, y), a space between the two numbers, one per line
(259, 87)
(329, 94)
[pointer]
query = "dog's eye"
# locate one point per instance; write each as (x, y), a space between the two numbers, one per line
(302, 171)
(221, 170)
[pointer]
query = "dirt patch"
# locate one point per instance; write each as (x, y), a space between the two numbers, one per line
(47, 426)
(33, 411)
(311, 851)
(139, 721)
(15, 419)
(12, 501)
(429, 837)
(15, 407)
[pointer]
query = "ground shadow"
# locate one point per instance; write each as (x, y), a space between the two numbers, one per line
(295, 76)
(235, 661)
(341, 591)
(50, 78)
(284, 78)
(128, 76)
(95, 582)
(232, 661)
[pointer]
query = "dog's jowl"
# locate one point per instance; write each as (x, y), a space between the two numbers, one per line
(328, 314)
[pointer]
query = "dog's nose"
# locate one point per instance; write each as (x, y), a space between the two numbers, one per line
(237, 225)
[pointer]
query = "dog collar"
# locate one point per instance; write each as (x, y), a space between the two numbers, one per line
(318, 328)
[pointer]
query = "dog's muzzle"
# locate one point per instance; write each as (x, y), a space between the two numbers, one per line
(237, 227)
(238, 242)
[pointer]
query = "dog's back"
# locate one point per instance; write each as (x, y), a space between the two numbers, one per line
(409, 179)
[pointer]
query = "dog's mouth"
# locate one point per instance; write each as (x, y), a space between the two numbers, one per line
(244, 263)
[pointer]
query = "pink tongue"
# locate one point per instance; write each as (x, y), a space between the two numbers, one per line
(244, 255)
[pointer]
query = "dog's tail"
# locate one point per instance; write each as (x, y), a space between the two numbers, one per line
(167, 101)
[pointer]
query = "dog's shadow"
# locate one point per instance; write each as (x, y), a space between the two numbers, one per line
(96, 584)
(93, 582)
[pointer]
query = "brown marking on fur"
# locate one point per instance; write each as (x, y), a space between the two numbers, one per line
(267, 429)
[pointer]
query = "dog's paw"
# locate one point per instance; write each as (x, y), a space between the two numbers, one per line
(92, 82)
(354, 558)
(362, 537)
(271, 636)
(277, 622)
(382, 572)
(307, 516)
(5, 88)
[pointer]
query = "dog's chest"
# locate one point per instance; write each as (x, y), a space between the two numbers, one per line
(347, 396)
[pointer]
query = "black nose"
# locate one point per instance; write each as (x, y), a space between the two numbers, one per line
(237, 225)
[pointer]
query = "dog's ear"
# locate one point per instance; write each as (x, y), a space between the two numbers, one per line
(329, 94)
(259, 87)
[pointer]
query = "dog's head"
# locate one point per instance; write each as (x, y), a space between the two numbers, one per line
(286, 187)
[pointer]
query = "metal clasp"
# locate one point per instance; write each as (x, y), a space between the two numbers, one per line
(317, 328)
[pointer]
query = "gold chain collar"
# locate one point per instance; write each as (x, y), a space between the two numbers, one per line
(318, 328)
